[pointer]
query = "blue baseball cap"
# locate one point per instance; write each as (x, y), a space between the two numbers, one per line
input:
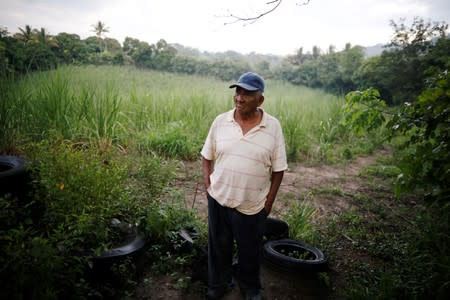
(250, 81)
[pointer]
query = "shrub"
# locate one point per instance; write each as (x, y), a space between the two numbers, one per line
(426, 123)
(77, 191)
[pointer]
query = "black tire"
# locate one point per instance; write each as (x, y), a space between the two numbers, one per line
(130, 248)
(314, 260)
(13, 174)
(102, 267)
(275, 229)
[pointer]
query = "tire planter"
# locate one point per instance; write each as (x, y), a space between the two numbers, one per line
(293, 256)
(131, 248)
(13, 175)
(275, 229)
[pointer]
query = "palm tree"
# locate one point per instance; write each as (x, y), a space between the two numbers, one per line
(100, 29)
(3, 32)
(44, 38)
(25, 35)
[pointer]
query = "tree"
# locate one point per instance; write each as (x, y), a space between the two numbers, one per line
(130, 45)
(299, 58)
(71, 49)
(100, 29)
(142, 55)
(25, 35)
(419, 35)
(3, 32)
(44, 38)
(162, 55)
(349, 62)
(400, 73)
(41, 50)
(3, 44)
(113, 45)
(316, 52)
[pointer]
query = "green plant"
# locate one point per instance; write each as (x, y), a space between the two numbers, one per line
(161, 224)
(363, 111)
(295, 253)
(33, 267)
(383, 171)
(172, 142)
(162, 220)
(82, 191)
(427, 124)
(101, 109)
(415, 261)
(78, 190)
(12, 114)
(299, 217)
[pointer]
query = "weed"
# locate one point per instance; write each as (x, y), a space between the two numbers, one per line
(332, 191)
(383, 171)
(299, 218)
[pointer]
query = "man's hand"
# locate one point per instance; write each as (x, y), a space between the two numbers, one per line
(268, 207)
(207, 166)
(277, 177)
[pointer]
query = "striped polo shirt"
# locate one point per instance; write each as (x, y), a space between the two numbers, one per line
(243, 164)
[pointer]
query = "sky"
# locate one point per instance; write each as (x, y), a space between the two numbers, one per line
(204, 24)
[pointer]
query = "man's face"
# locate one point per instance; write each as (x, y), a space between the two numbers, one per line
(246, 102)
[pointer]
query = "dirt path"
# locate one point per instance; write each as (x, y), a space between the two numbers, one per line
(326, 188)
(298, 182)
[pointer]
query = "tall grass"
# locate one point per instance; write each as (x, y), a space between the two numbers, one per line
(153, 111)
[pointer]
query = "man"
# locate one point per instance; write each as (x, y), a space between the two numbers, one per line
(243, 161)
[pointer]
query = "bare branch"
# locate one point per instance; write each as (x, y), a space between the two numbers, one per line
(253, 19)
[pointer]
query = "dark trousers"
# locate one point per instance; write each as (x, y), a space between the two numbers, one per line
(226, 225)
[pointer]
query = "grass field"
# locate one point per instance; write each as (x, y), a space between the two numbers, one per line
(151, 111)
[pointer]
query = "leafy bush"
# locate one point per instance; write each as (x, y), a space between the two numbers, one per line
(35, 264)
(77, 191)
(81, 190)
(426, 123)
(363, 111)
(161, 224)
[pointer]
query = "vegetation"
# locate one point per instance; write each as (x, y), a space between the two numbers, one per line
(105, 148)
(155, 112)
(103, 143)
(399, 73)
(401, 242)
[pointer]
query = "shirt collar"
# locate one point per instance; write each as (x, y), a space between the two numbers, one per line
(263, 123)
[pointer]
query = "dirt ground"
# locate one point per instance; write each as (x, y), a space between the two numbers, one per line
(300, 183)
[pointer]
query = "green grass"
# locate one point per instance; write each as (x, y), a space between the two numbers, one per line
(165, 113)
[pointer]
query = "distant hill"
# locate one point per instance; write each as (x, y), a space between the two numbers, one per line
(256, 57)
(252, 57)
(374, 50)
(379, 48)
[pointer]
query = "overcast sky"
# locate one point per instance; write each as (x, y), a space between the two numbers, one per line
(200, 23)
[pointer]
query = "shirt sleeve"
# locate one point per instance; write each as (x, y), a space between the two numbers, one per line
(279, 159)
(209, 149)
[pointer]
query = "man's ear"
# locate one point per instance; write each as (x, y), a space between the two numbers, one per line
(261, 99)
